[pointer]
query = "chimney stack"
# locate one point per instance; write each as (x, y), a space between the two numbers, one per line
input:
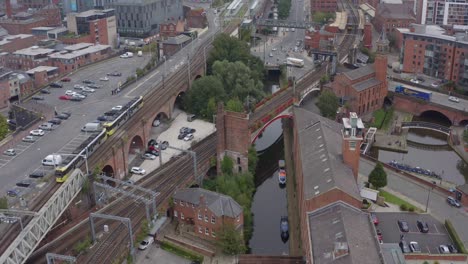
(353, 130)
(8, 8)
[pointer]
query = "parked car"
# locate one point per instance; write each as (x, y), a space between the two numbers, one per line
(154, 152)
(37, 97)
(454, 99)
(29, 139)
(62, 116)
(94, 86)
(453, 202)
(55, 85)
(78, 87)
(55, 121)
(69, 92)
(66, 79)
(181, 136)
(76, 99)
(149, 156)
(188, 137)
(414, 246)
(10, 152)
(45, 91)
(88, 90)
(183, 130)
(146, 242)
(379, 235)
(403, 226)
(46, 126)
(137, 170)
(414, 80)
(25, 183)
(452, 249)
(114, 74)
(66, 113)
(37, 174)
(404, 246)
(82, 96)
(14, 192)
(102, 118)
(156, 123)
(64, 97)
(443, 249)
(104, 79)
(88, 81)
(374, 218)
(37, 132)
(422, 226)
(164, 145)
(117, 108)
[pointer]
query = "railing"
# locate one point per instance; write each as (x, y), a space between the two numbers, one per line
(426, 125)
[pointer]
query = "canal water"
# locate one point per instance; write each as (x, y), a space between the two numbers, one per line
(431, 152)
(269, 202)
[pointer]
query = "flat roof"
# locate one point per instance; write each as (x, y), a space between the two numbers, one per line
(42, 28)
(41, 69)
(359, 72)
(342, 234)
(33, 51)
(10, 38)
(78, 46)
(78, 53)
(58, 30)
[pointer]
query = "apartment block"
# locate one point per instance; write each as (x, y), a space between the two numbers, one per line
(92, 26)
(431, 50)
(444, 12)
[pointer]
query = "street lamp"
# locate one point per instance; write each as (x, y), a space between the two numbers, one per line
(428, 195)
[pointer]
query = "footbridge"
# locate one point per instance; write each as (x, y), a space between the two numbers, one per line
(426, 125)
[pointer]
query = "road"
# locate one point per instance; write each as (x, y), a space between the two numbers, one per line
(438, 206)
(275, 49)
(437, 98)
(96, 104)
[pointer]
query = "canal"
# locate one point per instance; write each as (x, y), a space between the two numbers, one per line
(429, 150)
(269, 201)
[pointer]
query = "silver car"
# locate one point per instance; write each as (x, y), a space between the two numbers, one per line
(29, 139)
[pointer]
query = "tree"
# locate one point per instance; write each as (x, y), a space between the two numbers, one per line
(234, 105)
(140, 72)
(196, 98)
(378, 176)
(328, 104)
(253, 159)
(231, 241)
(322, 17)
(210, 107)
(3, 203)
(238, 80)
(226, 165)
(283, 8)
(3, 127)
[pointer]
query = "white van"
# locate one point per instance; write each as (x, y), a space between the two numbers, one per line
(92, 127)
(52, 160)
(129, 54)
(140, 53)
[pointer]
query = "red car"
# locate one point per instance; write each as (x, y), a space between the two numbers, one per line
(66, 79)
(64, 97)
(374, 218)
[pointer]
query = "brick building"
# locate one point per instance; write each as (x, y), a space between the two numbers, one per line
(431, 50)
(11, 43)
(364, 89)
(391, 16)
(13, 86)
(22, 23)
(196, 18)
(326, 157)
(43, 75)
(35, 4)
(442, 12)
(174, 44)
(171, 29)
(323, 6)
(28, 58)
(93, 26)
(207, 211)
(51, 14)
(77, 56)
(318, 39)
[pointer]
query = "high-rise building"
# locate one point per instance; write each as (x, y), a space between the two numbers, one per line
(140, 18)
(98, 25)
(444, 12)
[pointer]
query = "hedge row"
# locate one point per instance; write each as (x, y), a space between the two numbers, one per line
(456, 239)
(181, 251)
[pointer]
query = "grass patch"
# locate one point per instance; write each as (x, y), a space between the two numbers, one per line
(388, 119)
(382, 118)
(456, 239)
(182, 252)
(393, 199)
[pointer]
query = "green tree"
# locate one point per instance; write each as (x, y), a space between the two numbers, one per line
(283, 8)
(3, 127)
(231, 241)
(210, 107)
(140, 72)
(328, 104)
(226, 165)
(322, 17)
(238, 80)
(205, 87)
(234, 105)
(253, 159)
(378, 176)
(3, 203)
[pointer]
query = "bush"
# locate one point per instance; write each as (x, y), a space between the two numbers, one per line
(83, 245)
(3, 203)
(411, 209)
(455, 238)
(182, 252)
(403, 207)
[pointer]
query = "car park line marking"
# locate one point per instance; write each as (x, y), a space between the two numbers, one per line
(435, 227)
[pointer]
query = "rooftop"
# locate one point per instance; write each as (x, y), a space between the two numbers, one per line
(392, 253)
(369, 83)
(360, 72)
(323, 169)
(41, 69)
(78, 46)
(78, 53)
(33, 51)
(368, 9)
(395, 11)
(341, 234)
(93, 12)
(43, 28)
(177, 40)
(10, 38)
(219, 204)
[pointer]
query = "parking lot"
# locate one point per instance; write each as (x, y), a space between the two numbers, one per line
(169, 133)
(429, 242)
